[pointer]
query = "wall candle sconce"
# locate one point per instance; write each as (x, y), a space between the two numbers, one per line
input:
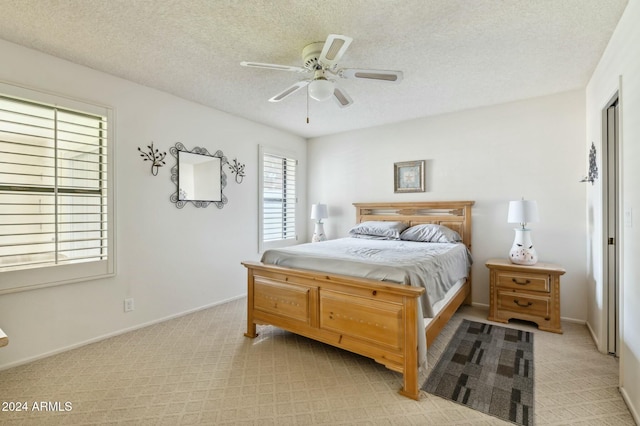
(593, 166)
(155, 156)
(237, 169)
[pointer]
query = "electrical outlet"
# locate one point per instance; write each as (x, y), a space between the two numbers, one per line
(128, 305)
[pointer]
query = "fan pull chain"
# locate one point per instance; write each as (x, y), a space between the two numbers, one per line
(307, 104)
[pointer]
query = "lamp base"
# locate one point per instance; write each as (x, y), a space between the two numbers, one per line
(522, 251)
(318, 233)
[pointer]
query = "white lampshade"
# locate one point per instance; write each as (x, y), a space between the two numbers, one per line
(321, 89)
(319, 212)
(523, 212)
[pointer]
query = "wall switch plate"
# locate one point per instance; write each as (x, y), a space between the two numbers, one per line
(128, 305)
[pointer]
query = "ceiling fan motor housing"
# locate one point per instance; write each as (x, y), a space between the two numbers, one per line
(310, 55)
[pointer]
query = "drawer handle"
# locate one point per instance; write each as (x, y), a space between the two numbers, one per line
(517, 302)
(525, 282)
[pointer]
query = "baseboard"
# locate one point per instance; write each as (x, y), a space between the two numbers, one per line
(633, 410)
(116, 333)
(593, 336)
(573, 320)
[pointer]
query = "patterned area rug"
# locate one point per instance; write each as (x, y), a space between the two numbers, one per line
(488, 368)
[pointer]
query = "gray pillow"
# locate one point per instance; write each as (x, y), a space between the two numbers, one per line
(431, 233)
(378, 230)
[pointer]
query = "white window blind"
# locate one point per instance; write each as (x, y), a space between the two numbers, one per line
(278, 198)
(53, 187)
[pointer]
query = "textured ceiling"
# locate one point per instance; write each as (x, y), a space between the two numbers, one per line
(455, 54)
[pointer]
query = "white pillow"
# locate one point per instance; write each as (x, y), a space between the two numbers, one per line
(431, 233)
(383, 230)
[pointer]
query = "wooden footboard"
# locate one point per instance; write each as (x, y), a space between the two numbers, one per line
(371, 318)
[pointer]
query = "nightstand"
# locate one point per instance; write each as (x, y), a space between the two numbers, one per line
(530, 293)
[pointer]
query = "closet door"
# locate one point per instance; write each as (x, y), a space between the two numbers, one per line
(613, 236)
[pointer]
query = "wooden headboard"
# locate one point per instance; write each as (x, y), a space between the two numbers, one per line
(455, 215)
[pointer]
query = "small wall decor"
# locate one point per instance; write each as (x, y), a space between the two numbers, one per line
(155, 156)
(408, 176)
(237, 169)
(593, 166)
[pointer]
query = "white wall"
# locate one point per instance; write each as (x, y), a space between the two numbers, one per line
(618, 71)
(169, 260)
(492, 155)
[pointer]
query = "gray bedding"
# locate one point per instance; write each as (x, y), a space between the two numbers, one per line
(434, 266)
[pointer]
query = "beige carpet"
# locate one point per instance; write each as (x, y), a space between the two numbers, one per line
(200, 369)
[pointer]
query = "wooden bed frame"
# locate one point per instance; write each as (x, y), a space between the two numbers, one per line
(375, 319)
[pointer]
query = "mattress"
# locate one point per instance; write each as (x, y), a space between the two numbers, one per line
(436, 267)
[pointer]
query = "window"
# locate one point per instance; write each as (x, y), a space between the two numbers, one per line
(278, 198)
(55, 191)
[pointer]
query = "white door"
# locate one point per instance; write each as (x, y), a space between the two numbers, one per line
(610, 161)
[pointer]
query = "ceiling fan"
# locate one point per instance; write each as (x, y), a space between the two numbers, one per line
(321, 60)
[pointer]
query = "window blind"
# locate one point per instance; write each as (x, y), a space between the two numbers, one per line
(53, 185)
(278, 198)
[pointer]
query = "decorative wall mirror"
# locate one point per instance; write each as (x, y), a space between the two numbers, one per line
(198, 176)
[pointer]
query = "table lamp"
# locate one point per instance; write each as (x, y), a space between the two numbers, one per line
(319, 212)
(523, 212)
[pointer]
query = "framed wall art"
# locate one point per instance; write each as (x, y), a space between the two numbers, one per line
(408, 176)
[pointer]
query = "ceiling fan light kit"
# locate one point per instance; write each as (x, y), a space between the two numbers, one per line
(321, 59)
(320, 88)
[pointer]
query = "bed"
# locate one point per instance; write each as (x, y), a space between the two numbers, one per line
(379, 319)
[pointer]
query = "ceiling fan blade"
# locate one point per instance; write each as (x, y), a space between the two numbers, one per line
(333, 49)
(342, 98)
(289, 91)
(380, 75)
(273, 66)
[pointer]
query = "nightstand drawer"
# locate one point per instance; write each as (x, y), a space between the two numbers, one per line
(523, 281)
(524, 303)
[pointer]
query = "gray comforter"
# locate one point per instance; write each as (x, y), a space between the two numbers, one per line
(434, 266)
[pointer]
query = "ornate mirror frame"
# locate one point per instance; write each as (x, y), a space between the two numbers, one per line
(178, 197)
